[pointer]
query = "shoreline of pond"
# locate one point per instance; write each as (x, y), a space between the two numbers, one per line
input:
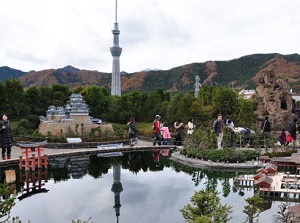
(198, 163)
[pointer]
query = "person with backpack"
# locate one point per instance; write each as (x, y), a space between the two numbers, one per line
(156, 130)
(132, 131)
(218, 126)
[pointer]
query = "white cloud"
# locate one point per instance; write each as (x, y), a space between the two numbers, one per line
(38, 35)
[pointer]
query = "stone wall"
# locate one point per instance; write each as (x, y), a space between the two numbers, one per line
(70, 129)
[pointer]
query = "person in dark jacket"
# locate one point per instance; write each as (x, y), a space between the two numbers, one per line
(293, 130)
(6, 137)
(132, 131)
(218, 126)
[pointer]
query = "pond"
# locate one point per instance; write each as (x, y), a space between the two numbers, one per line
(131, 188)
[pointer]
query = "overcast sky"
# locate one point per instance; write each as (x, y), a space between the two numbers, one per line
(45, 34)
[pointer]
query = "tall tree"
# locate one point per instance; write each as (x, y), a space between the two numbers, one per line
(225, 101)
(97, 100)
(14, 97)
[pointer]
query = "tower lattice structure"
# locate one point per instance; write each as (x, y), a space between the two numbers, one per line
(116, 51)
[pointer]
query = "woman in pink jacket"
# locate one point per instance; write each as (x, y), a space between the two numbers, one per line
(165, 133)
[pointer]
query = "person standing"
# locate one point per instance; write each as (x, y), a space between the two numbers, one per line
(282, 137)
(6, 137)
(178, 132)
(266, 129)
(156, 130)
(132, 131)
(218, 129)
(191, 126)
(293, 131)
(247, 135)
(165, 133)
(230, 125)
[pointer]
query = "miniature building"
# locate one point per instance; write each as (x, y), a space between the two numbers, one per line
(258, 176)
(291, 161)
(264, 183)
(71, 120)
(262, 170)
(272, 169)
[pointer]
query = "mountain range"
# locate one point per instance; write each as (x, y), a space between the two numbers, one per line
(239, 73)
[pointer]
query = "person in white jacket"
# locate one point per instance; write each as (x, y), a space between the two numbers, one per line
(191, 126)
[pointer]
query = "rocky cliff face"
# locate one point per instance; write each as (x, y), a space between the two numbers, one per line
(273, 98)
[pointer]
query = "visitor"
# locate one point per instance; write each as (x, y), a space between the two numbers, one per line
(247, 135)
(132, 131)
(293, 131)
(229, 124)
(190, 126)
(165, 133)
(282, 137)
(218, 130)
(6, 137)
(156, 130)
(178, 132)
(266, 130)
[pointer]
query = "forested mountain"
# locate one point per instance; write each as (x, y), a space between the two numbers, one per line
(7, 73)
(238, 73)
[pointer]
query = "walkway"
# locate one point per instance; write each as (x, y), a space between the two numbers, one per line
(141, 145)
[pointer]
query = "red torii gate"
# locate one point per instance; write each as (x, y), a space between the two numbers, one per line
(36, 159)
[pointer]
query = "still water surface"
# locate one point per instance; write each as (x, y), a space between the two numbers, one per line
(147, 192)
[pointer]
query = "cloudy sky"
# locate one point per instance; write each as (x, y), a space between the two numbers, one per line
(45, 34)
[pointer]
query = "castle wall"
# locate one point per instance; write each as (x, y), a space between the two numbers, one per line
(69, 129)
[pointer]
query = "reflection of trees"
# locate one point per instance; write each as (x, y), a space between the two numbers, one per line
(143, 161)
(226, 187)
(59, 174)
(99, 165)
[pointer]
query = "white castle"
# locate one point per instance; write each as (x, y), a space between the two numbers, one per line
(71, 120)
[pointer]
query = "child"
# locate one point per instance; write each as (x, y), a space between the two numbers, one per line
(165, 133)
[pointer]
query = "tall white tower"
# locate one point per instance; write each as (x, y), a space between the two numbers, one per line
(116, 52)
(197, 85)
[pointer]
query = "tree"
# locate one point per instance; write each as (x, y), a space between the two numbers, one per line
(283, 216)
(97, 100)
(225, 101)
(7, 204)
(206, 208)
(14, 98)
(254, 208)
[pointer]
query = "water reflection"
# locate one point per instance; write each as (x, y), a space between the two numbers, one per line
(117, 189)
(84, 187)
(32, 183)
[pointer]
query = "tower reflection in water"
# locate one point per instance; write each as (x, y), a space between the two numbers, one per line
(117, 189)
